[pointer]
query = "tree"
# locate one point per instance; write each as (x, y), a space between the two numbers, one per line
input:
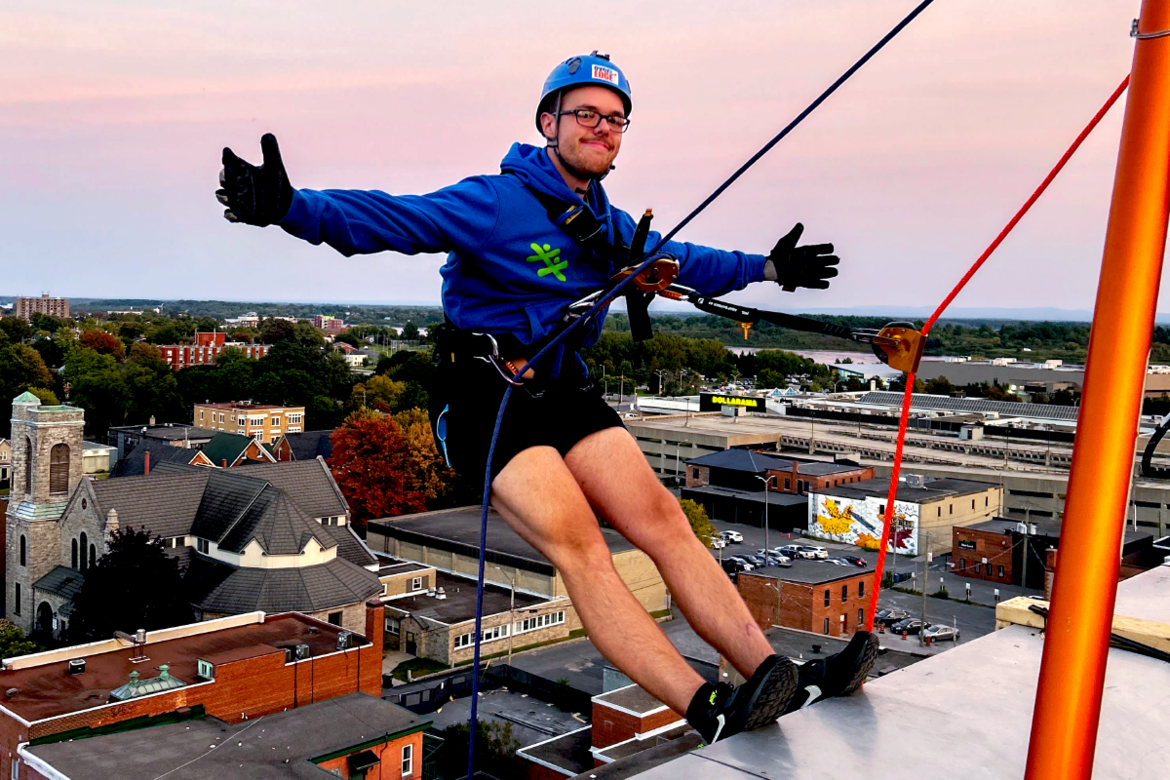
(410, 331)
(16, 328)
(940, 386)
(899, 384)
(103, 343)
(134, 585)
(495, 750)
(21, 368)
(45, 322)
(371, 463)
(13, 642)
(700, 523)
(769, 377)
(378, 392)
(426, 472)
(1062, 397)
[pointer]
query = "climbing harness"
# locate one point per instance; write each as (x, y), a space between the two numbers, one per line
(603, 301)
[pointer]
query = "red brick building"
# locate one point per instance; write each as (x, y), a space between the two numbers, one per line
(206, 348)
(352, 736)
(984, 551)
(233, 668)
(626, 721)
(814, 596)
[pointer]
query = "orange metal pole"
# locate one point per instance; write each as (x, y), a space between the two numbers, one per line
(1076, 644)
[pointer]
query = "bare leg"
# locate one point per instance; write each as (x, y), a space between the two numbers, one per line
(620, 486)
(539, 498)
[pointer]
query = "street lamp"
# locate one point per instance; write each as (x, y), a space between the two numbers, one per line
(511, 609)
(765, 480)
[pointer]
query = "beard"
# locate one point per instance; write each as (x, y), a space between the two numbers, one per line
(587, 161)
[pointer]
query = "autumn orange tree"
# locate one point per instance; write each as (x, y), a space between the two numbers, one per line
(386, 466)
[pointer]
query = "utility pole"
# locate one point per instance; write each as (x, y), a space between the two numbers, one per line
(765, 480)
(1024, 572)
(925, 577)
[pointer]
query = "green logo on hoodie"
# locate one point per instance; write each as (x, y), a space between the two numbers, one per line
(550, 257)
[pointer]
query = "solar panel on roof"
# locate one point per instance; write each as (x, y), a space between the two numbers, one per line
(945, 403)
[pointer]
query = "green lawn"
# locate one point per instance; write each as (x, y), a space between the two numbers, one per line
(417, 667)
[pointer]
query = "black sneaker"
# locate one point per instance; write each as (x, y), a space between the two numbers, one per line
(718, 711)
(838, 675)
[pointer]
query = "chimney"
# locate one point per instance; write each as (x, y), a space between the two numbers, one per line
(152, 421)
(223, 462)
(146, 464)
(112, 520)
(164, 672)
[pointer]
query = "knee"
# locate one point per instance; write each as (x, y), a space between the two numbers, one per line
(580, 552)
(665, 523)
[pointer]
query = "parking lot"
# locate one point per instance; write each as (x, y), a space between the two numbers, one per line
(972, 620)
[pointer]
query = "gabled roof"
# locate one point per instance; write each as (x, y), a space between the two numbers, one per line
(309, 481)
(277, 524)
(310, 444)
(226, 446)
(61, 581)
(134, 463)
(164, 503)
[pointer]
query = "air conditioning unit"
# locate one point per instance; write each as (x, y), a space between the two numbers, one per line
(302, 652)
(77, 666)
(343, 640)
(915, 481)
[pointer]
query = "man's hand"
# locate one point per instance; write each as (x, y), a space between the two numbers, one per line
(255, 195)
(792, 266)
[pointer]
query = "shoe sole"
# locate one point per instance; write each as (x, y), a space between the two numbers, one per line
(865, 662)
(772, 696)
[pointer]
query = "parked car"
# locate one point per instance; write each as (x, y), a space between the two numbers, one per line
(889, 617)
(735, 537)
(735, 566)
(856, 561)
(718, 542)
(817, 552)
(909, 625)
(797, 551)
(941, 633)
(839, 562)
(743, 559)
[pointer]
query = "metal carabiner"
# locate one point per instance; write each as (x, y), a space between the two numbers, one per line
(495, 360)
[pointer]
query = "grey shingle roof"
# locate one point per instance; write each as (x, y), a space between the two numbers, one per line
(61, 581)
(160, 452)
(307, 481)
(310, 444)
(274, 521)
(164, 503)
(220, 587)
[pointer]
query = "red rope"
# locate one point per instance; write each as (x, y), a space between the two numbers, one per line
(905, 418)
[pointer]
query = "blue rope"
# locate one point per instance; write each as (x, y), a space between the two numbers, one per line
(603, 301)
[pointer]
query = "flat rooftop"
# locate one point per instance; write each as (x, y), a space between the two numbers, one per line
(809, 572)
(275, 746)
(459, 606)
(48, 690)
(633, 698)
(925, 711)
(934, 490)
(457, 530)
(568, 752)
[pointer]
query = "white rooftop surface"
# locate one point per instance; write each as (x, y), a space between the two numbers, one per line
(965, 713)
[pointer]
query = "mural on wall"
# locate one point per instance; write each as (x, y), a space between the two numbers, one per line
(859, 522)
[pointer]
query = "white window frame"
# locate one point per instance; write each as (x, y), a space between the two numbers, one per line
(385, 590)
(463, 640)
(407, 760)
(276, 420)
(416, 583)
(394, 625)
(203, 546)
(205, 670)
(538, 622)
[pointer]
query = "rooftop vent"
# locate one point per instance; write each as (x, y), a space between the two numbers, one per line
(11, 692)
(343, 640)
(440, 594)
(77, 666)
(302, 652)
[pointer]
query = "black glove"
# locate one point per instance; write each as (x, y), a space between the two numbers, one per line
(792, 266)
(256, 196)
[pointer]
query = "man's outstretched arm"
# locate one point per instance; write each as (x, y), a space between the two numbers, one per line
(356, 221)
(717, 271)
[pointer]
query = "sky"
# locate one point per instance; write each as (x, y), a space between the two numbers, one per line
(113, 114)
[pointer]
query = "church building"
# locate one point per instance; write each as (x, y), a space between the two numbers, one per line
(274, 536)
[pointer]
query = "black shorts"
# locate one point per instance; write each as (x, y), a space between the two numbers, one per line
(465, 400)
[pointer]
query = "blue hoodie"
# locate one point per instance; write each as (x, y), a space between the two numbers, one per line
(509, 268)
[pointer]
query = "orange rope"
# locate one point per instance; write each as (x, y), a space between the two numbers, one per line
(906, 397)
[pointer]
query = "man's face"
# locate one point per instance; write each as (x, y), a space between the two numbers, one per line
(590, 150)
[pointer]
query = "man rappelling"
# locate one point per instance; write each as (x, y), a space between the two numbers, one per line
(522, 246)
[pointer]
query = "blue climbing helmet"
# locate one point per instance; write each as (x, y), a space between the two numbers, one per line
(586, 70)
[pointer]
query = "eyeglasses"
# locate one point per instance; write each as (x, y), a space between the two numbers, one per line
(587, 117)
